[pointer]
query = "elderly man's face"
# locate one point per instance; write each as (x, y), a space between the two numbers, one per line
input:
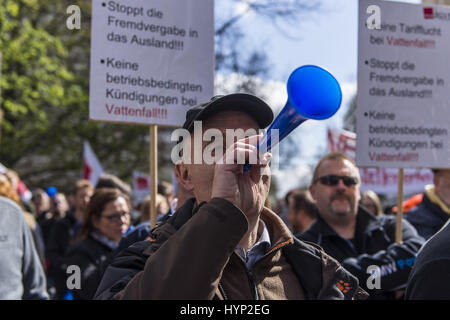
(442, 185)
(337, 204)
(202, 175)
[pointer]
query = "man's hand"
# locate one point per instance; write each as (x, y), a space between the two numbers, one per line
(247, 191)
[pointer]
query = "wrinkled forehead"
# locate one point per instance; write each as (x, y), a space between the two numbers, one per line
(226, 128)
(230, 120)
(342, 167)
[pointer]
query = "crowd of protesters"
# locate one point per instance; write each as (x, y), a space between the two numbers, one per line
(214, 240)
(82, 229)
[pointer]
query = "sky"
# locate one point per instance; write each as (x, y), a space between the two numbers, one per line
(326, 38)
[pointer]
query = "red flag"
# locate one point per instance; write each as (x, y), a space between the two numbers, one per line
(87, 171)
(91, 166)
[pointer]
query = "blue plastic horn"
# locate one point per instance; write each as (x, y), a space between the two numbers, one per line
(51, 191)
(313, 93)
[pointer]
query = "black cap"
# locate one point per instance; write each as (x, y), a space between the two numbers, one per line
(243, 102)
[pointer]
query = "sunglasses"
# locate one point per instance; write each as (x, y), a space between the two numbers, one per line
(333, 180)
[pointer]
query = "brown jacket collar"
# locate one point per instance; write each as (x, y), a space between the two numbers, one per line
(280, 235)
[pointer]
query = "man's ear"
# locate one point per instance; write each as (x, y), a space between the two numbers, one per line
(183, 176)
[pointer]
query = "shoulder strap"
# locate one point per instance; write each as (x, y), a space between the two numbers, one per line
(307, 264)
(321, 276)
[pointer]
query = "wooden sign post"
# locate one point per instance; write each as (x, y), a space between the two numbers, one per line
(399, 219)
(153, 172)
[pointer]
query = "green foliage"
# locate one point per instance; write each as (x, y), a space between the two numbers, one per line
(33, 79)
(44, 95)
(44, 98)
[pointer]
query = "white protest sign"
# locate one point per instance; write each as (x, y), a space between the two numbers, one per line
(403, 86)
(150, 60)
(380, 180)
(141, 186)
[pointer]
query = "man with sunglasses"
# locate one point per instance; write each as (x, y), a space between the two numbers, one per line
(363, 243)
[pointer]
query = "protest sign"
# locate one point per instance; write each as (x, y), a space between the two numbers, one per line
(403, 86)
(380, 180)
(141, 186)
(150, 60)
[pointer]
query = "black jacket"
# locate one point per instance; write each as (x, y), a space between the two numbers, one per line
(308, 262)
(374, 244)
(62, 234)
(88, 254)
(46, 224)
(427, 217)
(430, 277)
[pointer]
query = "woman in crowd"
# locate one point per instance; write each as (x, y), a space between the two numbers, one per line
(107, 218)
(161, 208)
(371, 202)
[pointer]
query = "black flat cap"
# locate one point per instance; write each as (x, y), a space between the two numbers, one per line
(243, 102)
